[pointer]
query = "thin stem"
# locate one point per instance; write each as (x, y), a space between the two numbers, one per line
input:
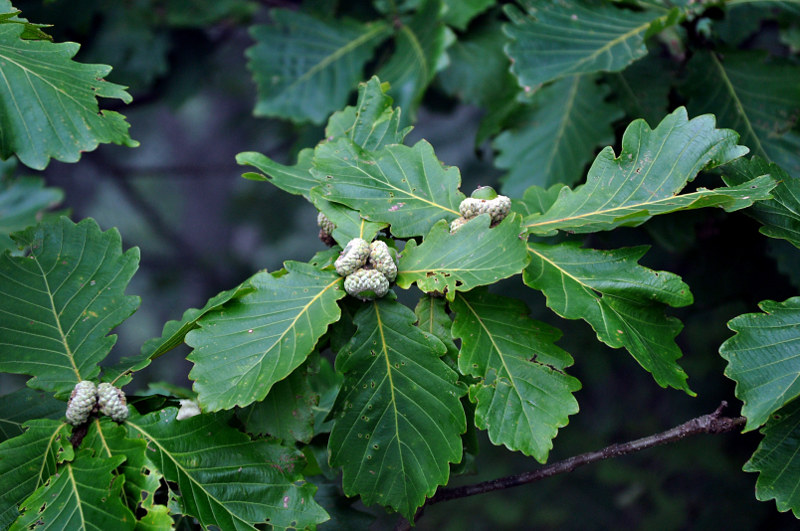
(710, 423)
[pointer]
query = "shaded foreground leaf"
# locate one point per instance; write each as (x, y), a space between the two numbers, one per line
(557, 39)
(224, 478)
(400, 419)
(406, 187)
(23, 405)
(524, 395)
(473, 256)
(20, 201)
(622, 301)
(48, 102)
(243, 349)
(557, 136)
(83, 495)
(28, 460)
(779, 215)
(432, 318)
(58, 304)
(305, 67)
(762, 359)
(348, 222)
(777, 461)
(653, 166)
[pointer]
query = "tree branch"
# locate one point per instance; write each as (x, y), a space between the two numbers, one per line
(710, 423)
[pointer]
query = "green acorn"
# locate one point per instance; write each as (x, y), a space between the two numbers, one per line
(499, 207)
(471, 207)
(456, 224)
(366, 284)
(380, 258)
(326, 227)
(353, 256)
(81, 402)
(112, 402)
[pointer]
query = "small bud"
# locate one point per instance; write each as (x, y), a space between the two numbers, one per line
(484, 192)
(366, 284)
(112, 402)
(353, 256)
(81, 402)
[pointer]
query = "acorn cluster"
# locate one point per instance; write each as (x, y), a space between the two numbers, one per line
(484, 200)
(87, 398)
(368, 268)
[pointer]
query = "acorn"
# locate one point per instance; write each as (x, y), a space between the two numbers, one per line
(81, 402)
(366, 284)
(380, 259)
(353, 256)
(457, 223)
(111, 401)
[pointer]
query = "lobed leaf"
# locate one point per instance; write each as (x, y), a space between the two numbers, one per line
(653, 166)
(552, 40)
(83, 495)
(758, 98)
(420, 45)
(474, 255)
(28, 460)
(48, 102)
(557, 136)
(306, 67)
(400, 418)
(776, 460)
(524, 395)
(622, 301)
(224, 478)
(780, 215)
(406, 187)
(295, 179)
(762, 359)
(58, 304)
(243, 349)
(433, 319)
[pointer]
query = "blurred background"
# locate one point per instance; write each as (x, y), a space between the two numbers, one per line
(201, 229)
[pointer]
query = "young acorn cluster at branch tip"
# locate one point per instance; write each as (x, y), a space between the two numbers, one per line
(368, 269)
(484, 200)
(105, 398)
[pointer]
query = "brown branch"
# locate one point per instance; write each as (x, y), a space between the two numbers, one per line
(711, 423)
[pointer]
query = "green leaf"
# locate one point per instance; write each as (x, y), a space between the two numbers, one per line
(536, 200)
(762, 359)
(458, 13)
(558, 135)
(210, 462)
(295, 179)
(558, 39)
(306, 67)
(433, 319)
(400, 416)
(288, 410)
(419, 53)
(349, 223)
(243, 349)
(406, 187)
(27, 461)
(779, 215)
(48, 102)
(623, 301)
(20, 202)
(777, 461)
(473, 256)
(173, 334)
(142, 479)
(372, 123)
(30, 31)
(757, 97)
(653, 166)
(23, 405)
(82, 495)
(524, 395)
(58, 304)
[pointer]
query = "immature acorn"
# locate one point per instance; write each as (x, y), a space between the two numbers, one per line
(380, 258)
(484, 200)
(366, 284)
(81, 402)
(112, 402)
(457, 223)
(353, 256)
(326, 227)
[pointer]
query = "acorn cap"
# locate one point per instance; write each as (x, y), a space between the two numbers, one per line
(81, 402)
(112, 402)
(366, 284)
(353, 256)
(380, 259)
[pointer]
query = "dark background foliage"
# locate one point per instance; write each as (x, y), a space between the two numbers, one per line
(202, 229)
